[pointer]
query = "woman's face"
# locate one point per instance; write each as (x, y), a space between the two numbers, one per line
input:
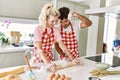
(52, 20)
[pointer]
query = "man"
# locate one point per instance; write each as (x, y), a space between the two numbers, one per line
(69, 31)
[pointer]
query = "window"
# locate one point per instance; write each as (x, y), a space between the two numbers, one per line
(109, 31)
(24, 26)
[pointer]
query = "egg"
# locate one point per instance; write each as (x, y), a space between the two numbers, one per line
(51, 76)
(62, 76)
(67, 78)
(54, 78)
(57, 76)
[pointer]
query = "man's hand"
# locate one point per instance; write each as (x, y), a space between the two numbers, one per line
(71, 15)
(77, 61)
(66, 59)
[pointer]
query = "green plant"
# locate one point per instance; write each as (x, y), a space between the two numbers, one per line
(3, 38)
(2, 35)
(31, 35)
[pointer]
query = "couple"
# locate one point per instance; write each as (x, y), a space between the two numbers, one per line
(64, 38)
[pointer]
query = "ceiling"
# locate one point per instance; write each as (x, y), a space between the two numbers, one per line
(31, 10)
(81, 2)
(85, 3)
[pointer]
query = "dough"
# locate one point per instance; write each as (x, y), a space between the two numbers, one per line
(12, 77)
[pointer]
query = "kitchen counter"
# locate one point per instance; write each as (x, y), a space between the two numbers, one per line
(8, 49)
(12, 56)
(75, 72)
(83, 72)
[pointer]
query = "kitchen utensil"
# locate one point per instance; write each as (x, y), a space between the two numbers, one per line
(31, 73)
(94, 78)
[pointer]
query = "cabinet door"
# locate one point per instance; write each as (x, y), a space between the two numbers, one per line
(11, 59)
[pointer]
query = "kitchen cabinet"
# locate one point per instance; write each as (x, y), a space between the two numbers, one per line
(13, 56)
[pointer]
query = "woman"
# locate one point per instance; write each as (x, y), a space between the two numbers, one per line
(45, 35)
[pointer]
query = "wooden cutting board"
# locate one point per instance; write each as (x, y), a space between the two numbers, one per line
(16, 34)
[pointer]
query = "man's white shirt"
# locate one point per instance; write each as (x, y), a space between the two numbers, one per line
(76, 28)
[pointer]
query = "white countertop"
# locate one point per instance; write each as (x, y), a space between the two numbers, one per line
(83, 72)
(76, 72)
(14, 49)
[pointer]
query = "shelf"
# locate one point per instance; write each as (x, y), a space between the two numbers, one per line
(103, 10)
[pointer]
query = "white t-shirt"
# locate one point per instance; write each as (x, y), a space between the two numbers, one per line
(76, 28)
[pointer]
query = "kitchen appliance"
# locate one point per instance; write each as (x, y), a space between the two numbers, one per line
(108, 58)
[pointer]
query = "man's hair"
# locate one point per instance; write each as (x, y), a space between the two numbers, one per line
(64, 11)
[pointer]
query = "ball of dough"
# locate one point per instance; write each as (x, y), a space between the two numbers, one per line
(12, 77)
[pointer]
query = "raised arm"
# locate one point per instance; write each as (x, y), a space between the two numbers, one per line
(85, 22)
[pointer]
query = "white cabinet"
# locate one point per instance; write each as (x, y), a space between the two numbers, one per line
(12, 57)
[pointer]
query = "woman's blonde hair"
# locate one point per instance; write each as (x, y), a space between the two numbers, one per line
(47, 10)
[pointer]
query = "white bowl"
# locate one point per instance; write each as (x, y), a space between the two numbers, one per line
(102, 66)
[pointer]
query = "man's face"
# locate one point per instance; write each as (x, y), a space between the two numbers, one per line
(64, 23)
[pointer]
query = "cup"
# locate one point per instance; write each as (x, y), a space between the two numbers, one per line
(29, 54)
(0, 42)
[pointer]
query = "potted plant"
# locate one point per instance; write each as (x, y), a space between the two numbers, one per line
(31, 35)
(31, 42)
(3, 38)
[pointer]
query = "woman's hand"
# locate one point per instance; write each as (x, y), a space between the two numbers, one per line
(51, 67)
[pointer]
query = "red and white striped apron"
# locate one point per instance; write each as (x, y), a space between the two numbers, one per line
(70, 40)
(47, 42)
